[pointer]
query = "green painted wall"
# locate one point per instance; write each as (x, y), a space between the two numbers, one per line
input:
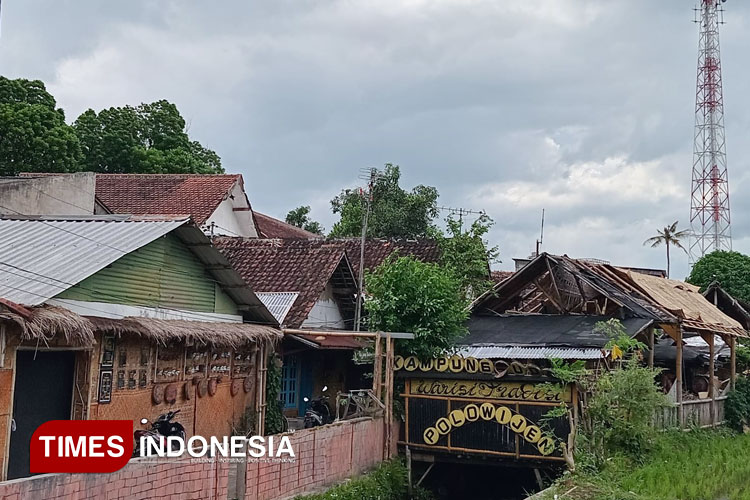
(164, 273)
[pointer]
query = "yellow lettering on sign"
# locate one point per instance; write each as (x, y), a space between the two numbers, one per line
(411, 363)
(471, 412)
(518, 423)
(546, 445)
(457, 418)
(456, 364)
(398, 362)
(426, 366)
(503, 415)
(441, 364)
(431, 435)
(532, 434)
(490, 389)
(471, 365)
(487, 411)
(443, 425)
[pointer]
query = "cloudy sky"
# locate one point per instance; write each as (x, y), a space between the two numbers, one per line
(581, 107)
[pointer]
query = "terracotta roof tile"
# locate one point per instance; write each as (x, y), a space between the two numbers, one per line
(268, 227)
(194, 194)
(275, 265)
(377, 250)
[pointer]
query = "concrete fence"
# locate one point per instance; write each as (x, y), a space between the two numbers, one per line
(324, 456)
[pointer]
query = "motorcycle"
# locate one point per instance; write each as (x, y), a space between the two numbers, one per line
(160, 429)
(318, 411)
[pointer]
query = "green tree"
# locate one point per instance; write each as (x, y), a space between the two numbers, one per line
(33, 134)
(468, 254)
(149, 138)
(730, 269)
(300, 217)
(668, 236)
(406, 295)
(394, 212)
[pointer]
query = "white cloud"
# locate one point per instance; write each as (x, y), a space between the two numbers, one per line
(582, 107)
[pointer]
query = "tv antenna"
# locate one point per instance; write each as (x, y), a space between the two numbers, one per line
(541, 237)
(462, 211)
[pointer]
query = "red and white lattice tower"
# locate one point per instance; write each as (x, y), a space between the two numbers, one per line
(709, 208)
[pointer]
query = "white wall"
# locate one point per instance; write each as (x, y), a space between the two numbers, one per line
(69, 194)
(228, 222)
(325, 313)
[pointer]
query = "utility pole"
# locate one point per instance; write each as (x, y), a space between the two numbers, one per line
(709, 207)
(372, 176)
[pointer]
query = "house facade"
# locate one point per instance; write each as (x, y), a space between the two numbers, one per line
(124, 317)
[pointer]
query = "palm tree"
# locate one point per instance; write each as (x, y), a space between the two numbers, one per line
(668, 236)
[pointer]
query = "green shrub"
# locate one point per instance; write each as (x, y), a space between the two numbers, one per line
(388, 481)
(621, 411)
(737, 405)
(273, 422)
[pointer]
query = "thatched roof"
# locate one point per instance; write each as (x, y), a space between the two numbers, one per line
(44, 323)
(164, 331)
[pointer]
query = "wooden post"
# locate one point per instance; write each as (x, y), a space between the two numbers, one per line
(388, 395)
(711, 389)
(376, 365)
(259, 393)
(408, 470)
(678, 378)
(651, 347)
(733, 363)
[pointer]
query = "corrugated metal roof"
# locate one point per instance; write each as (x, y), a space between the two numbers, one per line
(521, 352)
(543, 330)
(279, 303)
(41, 257)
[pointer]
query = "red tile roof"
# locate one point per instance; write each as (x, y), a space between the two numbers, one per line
(194, 194)
(293, 265)
(268, 227)
(377, 250)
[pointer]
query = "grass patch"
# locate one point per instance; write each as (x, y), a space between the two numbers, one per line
(697, 465)
(388, 481)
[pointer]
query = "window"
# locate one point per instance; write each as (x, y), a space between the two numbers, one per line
(289, 381)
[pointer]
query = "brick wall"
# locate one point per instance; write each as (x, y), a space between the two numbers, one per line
(139, 479)
(324, 456)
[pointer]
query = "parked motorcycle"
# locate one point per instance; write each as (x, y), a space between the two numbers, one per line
(318, 411)
(160, 429)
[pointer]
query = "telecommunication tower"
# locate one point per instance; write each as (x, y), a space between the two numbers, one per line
(709, 207)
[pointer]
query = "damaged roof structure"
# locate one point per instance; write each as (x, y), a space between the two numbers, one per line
(550, 308)
(590, 292)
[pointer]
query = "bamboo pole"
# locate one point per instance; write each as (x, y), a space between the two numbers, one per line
(258, 394)
(388, 394)
(376, 373)
(711, 389)
(678, 378)
(733, 364)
